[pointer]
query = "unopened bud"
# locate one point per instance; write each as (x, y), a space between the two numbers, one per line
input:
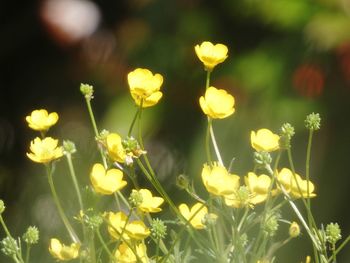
(313, 121)
(294, 230)
(31, 236)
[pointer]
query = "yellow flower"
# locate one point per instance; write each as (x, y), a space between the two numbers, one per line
(63, 252)
(196, 214)
(264, 140)
(124, 253)
(217, 103)
(106, 182)
(211, 54)
(150, 204)
(145, 87)
(240, 198)
(118, 224)
(258, 187)
(115, 148)
(44, 151)
(297, 188)
(218, 181)
(40, 120)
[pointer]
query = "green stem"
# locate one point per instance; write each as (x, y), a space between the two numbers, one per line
(133, 122)
(104, 245)
(27, 253)
(93, 122)
(207, 144)
(207, 82)
(74, 179)
(8, 234)
(63, 216)
(92, 249)
(216, 148)
(342, 245)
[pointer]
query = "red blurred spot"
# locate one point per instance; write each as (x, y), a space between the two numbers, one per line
(343, 52)
(308, 80)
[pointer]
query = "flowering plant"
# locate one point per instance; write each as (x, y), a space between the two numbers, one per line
(236, 221)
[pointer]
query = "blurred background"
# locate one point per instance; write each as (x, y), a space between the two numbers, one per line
(286, 60)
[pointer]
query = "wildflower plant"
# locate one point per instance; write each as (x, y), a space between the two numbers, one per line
(236, 220)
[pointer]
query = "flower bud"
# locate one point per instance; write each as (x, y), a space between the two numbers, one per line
(294, 230)
(287, 132)
(262, 159)
(2, 206)
(87, 91)
(135, 198)
(158, 229)
(31, 236)
(9, 246)
(313, 121)
(333, 233)
(69, 147)
(182, 181)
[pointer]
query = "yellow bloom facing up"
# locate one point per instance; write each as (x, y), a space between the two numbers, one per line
(196, 214)
(218, 181)
(134, 229)
(106, 182)
(62, 252)
(145, 87)
(264, 140)
(115, 148)
(124, 254)
(44, 151)
(217, 103)
(150, 204)
(211, 54)
(297, 188)
(41, 120)
(258, 187)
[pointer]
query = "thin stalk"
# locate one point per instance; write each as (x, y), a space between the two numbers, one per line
(133, 122)
(207, 81)
(74, 179)
(92, 249)
(207, 144)
(8, 234)
(342, 245)
(216, 148)
(27, 253)
(61, 212)
(307, 169)
(93, 122)
(104, 245)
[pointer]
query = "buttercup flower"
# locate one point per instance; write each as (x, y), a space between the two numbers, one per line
(196, 214)
(41, 120)
(264, 140)
(211, 54)
(115, 147)
(294, 230)
(258, 187)
(297, 188)
(106, 182)
(124, 253)
(63, 252)
(118, 224)
(44, 151)
(150, 204)
(217, 103)
(218, 181)
(145, 87)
